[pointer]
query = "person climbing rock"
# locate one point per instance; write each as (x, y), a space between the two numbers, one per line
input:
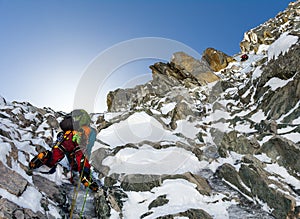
(75, 141)
(244, 57)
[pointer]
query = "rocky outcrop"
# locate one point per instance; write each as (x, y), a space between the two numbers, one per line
(286, 153)
(182, 72)
(198, 68)
(268, 32)
(253, 181)
(217, 60)
(201, 147)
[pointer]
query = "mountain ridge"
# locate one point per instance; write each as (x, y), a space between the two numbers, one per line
(210, 138)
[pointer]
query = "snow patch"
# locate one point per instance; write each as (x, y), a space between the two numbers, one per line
(258, 116)
(147, 160)
(281, 45)
(186, 128)
(182, 195)
(294, 137)
(167, 107)
(5, 149)
(23, 201)
(276, 83)
(136, 128)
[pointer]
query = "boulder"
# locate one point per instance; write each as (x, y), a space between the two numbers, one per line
(190, 213)
(217, 60)
(140, 182)
(198, 68)
(11, 181)
(234, 141)
(181, 111)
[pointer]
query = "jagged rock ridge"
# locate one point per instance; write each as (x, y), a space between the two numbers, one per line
(209, 138)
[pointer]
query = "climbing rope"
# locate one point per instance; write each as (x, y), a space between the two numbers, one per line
(76, 190)
(84, 201)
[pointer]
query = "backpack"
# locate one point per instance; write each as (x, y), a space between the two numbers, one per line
(75, 120)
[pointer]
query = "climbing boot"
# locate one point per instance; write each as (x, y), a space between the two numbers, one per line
(89, 183)
(40, 159)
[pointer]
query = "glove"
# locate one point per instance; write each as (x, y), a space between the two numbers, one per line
(76, 138)
(60, 136)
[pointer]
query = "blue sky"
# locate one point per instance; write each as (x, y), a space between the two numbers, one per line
(46, 46)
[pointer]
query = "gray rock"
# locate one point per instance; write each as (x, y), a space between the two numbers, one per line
(159, 201)
(181, 111)
(11, 181)
(232, 142)
(253, 181)
(285, 152)
(190, 213)
(139, 182)
(53, 191)
(10, 210)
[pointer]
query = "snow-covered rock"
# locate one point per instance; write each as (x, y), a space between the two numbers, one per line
(177, 146)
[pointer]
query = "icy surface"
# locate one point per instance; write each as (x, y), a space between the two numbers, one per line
(281, 45)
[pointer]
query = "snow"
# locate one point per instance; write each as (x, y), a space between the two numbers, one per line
(23, 201)
(5, 149)
(265, 139)
(257, 73)
(182, 196)
(231, 159)
(283, 175)
(223, 127)
(281, 45)
(136, 128)
(244, 128)
(258, 116)
(286, 129)
(294, 137)
(186, 128)
(53, 211)
(296, 121)
(110, 116)
(217, 115)
(147, 160)
(276, 83)
(167, 107)
(30, 116)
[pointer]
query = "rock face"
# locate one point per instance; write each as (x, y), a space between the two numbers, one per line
(268, 32)
(217, 60)
(211, 138)
(249, 118)
(12, 182)
(183, 71)
(198, 68)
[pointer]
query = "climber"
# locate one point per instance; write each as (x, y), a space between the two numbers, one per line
(244, 57)
(75, 142)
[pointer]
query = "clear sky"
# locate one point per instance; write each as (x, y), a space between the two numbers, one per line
(45, 46)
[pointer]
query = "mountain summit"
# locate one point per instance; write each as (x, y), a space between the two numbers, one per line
(212, 138)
